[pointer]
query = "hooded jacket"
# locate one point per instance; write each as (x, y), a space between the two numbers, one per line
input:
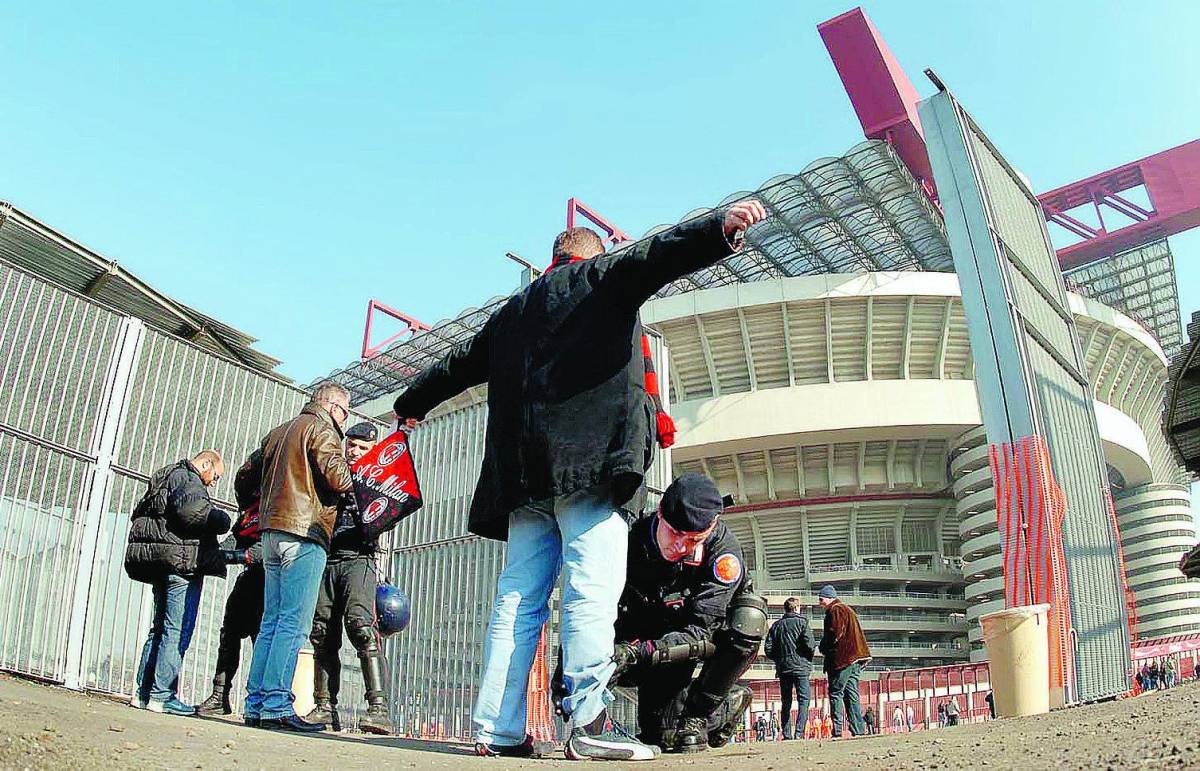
(567, 403)
(174, 528)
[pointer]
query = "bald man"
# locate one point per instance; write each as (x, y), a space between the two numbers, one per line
(172, 546)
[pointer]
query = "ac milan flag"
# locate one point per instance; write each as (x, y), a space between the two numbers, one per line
(386, 486)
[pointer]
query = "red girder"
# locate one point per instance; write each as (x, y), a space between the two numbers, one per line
(886, 104)
(1172, 182)
(576, 206)
(411, 326)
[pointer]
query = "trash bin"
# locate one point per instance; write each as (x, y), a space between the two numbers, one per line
(1018, 651)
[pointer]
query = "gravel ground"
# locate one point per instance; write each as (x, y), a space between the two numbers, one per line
(45, 727)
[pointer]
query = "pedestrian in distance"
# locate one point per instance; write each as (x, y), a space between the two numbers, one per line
(347, 599)
(941, 714)
(244, 605)
(869, 718)
(897, 720)
(791, 646)
(304, 473)
(952, 712)
(172, 546)
(844, 647)
(570, 435)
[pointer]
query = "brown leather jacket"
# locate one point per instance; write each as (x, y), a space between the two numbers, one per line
(843, 641)
(304, 471)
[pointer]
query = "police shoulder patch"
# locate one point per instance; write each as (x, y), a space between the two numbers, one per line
(727, 568)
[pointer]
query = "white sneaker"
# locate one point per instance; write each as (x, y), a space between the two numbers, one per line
(605, 739)
(153, 705)
(136, 702)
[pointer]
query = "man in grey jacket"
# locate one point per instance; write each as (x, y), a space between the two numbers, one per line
(791, 645)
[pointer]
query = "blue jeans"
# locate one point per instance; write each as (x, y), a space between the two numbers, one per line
(293, 567)
(583, 534)
(176, 600)
(787, 684)
(843, 691)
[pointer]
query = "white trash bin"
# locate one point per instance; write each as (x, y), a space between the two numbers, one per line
(1018, 649)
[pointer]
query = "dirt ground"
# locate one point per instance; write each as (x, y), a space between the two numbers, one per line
(45, 727)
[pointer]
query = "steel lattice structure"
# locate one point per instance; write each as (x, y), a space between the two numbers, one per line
(861, 212)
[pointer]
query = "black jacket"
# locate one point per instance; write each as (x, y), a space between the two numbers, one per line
(347, 538)
(791, 645)
(671, 603)
(567, 404)
(174, 529)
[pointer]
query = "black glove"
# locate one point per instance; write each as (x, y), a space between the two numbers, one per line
(630, 655)
(218, 522)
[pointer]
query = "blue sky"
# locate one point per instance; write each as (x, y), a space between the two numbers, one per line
(277, 165)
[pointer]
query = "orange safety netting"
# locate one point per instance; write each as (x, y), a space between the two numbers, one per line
(539, 710)
(1030, 509)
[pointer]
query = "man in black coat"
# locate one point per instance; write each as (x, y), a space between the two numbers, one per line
(173, 546)
(791, 645)
(570, 435)
(687, 599)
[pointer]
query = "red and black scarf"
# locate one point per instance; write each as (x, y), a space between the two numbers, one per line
(664, 428)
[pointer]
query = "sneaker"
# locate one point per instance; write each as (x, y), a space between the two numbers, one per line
(605, 739)
(376, 721)
(530, 748)
(137, 702)
(172, 706)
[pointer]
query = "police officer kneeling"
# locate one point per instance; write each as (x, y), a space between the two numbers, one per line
(687, 599)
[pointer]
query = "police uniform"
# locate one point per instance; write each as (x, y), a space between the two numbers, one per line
(703, 598)
(347, 598)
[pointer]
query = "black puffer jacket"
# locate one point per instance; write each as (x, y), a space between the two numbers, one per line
(174, 528)
(791, 645)
(567, 403)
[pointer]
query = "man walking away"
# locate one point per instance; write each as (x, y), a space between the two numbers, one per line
(869, 721)
(570, 435)
(347, 598)
(244, 605)
(303, 475)
(173, 546)
(952, 712)
(791, 645)
(844, 647)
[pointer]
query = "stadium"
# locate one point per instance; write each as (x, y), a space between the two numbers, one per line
(825, 376)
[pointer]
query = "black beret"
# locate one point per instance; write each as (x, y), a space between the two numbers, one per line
(691, 503)
(364, 430)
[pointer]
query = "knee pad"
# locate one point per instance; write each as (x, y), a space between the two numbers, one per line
(746, 622)
(363, 637)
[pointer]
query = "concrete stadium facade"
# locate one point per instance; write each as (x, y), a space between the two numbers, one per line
(841, 412)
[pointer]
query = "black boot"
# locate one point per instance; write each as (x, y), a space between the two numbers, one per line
(724, 722)
(692, 736)
(324, 708)
(378, 718)
(218, 702)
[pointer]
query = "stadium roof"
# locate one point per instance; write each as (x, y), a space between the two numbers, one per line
(35, 248)
(861, 212)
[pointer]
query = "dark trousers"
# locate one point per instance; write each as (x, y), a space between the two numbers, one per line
(659, 688)
(843, 695)
(799, 684)
(243, 614)
(346, 598)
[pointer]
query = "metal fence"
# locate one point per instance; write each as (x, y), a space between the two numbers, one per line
(91, 403)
